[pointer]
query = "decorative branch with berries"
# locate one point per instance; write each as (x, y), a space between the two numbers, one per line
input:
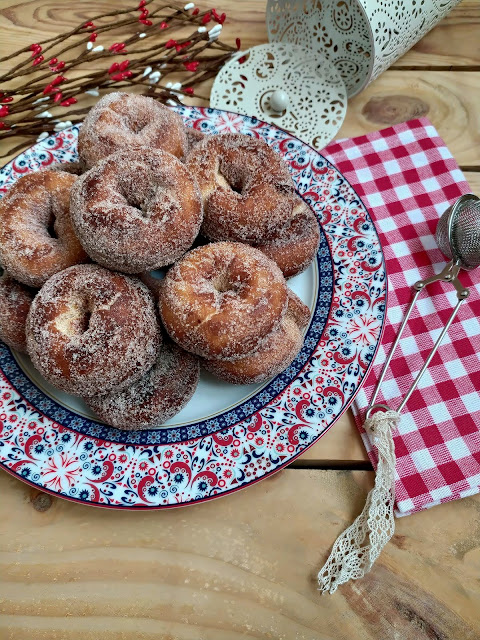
(33, 103)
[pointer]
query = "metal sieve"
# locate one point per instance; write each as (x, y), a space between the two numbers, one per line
(458, 237)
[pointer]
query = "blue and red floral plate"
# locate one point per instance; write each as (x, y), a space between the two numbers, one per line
(228, 436)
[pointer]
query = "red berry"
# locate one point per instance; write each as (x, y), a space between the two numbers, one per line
(4, 125)
(68, 102)
(196, 11)
(191, 66)
(238, 42)
(163, 25)
(93, 37)
(189, 90)
(142, 3)
(170, 43)
(217, 18)
(37, 60)
(53, 61)
(88, 24)
(144, 13)
(4, 111)
(206, 18)
(146, 22)
(8, 99)
(127, 74)
(60, 66)
(124, 65)
(58, 97)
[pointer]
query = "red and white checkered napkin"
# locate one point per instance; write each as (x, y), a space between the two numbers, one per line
(406, 177)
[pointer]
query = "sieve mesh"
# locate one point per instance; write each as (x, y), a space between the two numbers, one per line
(463, 244)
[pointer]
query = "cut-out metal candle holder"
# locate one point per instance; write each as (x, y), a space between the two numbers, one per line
(361, 37)
(321, 52)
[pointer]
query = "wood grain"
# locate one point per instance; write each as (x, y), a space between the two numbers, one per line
(454, 42)
(241, 567)
(449, 100)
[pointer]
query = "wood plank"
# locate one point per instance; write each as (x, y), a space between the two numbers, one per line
(473, 179)
(449, 100)
(453, 42)
(241, 567)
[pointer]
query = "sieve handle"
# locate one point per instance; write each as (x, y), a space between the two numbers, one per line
(448, 274)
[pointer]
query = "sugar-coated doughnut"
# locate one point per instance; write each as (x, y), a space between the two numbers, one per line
(90, 330)
(295, 244)
(136, 211)
(122, 120)
(36, 235)
(159, 394)
(221, 300)
(246, 187)
(273, 355)
(76, 168)
(15, 301)
(194, 136)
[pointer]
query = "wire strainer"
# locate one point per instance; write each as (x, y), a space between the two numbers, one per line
(458, 237)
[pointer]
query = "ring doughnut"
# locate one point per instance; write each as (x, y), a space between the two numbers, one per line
(246, 187)
(90, 330)
(273, 356)
(159, 394)
(122, 120)
(136, 213)
(15, 301)
(294, 245)
(36, 233)
(220, 300)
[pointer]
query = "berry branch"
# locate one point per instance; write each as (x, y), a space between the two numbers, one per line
(156, 59)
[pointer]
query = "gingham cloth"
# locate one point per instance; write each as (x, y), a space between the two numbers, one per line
(407, 177)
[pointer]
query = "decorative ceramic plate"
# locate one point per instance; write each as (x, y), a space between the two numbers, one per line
(228, 436)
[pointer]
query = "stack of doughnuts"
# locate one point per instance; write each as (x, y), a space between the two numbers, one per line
(219, 214)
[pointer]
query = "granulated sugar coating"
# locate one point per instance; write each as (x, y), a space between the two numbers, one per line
(36, 234)
(159, 394)
(122, 120)
(76, 168)
(295, 244)
(136, 210)
(246, 187)
(273, 355)
(221, 300)
(90, 330)
(194, 136)
(15, 301)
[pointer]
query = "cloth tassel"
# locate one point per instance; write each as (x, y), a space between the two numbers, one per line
(356, 549)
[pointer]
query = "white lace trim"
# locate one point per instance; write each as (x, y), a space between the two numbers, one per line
(357, 548)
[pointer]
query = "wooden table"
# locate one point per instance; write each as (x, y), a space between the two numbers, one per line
(245, 566)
